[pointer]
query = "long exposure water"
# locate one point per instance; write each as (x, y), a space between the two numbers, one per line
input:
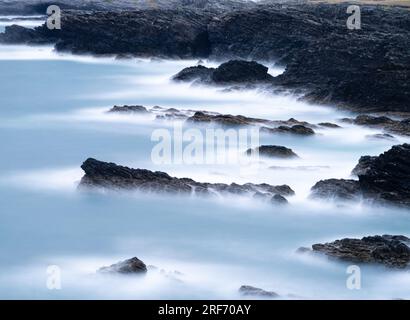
(53, 117)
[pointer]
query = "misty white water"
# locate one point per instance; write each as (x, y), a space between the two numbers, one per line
(53, 117)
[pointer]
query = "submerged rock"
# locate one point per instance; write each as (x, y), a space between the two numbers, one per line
(130, 266)
(401, 127)
(278, 199)
(110, 176)
(224, 119)
(296, 129)
(273, 152)
(391, 251)
(382, 179)
(257, 292)
(129, 109)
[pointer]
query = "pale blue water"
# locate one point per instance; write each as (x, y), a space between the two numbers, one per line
(52, 118)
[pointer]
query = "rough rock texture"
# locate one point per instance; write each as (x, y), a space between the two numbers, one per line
(224, 119)
(401, 127)
(273, 152)
(383, 179)
(130, 266)
(387, 178)
(128, 109)
(231, 72)
(391, 251)
(106, 175)
(363, 166)
(257, 292)
(339, 189)
(363, 69)
(296, 129)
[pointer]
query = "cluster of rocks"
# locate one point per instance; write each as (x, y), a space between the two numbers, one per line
(290, 126)
(104, 175)
(325, 61)
(383, 179)
(390, 250)
(401, 127)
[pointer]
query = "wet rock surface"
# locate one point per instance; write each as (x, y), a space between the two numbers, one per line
(390, 250)
(366, 70)
(127, 267)
(339, 189)
(383, 179)
(401, 127)
(104, 175)
(128, 109)
(228, 73)
(273, 152)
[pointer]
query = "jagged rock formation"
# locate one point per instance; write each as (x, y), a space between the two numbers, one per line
(391, 251)
(130, 266)
(257, 292)
(363, 69)
(401, 127)
(384, 179)
(110, 176)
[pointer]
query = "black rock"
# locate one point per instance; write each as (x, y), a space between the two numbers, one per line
(257, 292)
(401, 127)
(382, 179)
(228, 73)
(130, 266)
(369, 74)
(296, 129)
(129, 109)
(387, 178)
(329, 125)
(240, 71)
(363, 166)
(273, 152)
(201, 73)
(104, 175)
(278, 199)
(338, 189)
(391, 251)
(224, 119)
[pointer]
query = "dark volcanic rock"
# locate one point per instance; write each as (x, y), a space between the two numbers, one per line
(224, 119)
(382, 179)
(252, 291)
(129, 109)
(363, 166)
(278, 199)
(336, 189)
(296, 129)
(329, 125)
(387, 178)
(130, 266)
(239, 71)
(394, 126)
(391, 251)
(363, 69)
(110, 176)
(228, 73)
(201, 73)
(273, 151)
